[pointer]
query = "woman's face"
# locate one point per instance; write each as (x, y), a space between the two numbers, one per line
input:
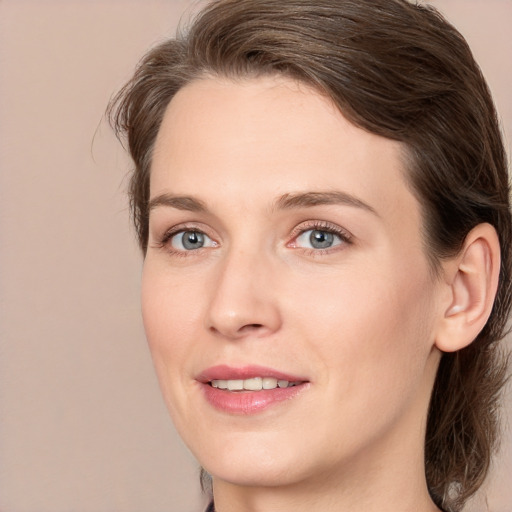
(285, 250)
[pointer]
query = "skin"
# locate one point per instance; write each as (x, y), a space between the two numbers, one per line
(358, 320)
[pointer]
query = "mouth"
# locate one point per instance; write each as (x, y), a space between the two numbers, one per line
(250, 389)
(253, 384)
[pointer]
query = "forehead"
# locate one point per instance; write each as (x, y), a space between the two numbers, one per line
(255, 139)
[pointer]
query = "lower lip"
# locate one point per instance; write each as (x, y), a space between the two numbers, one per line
(249, 402)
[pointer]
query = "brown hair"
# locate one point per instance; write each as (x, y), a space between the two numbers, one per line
(401, 71)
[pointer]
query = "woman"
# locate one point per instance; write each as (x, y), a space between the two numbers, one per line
(321, 196)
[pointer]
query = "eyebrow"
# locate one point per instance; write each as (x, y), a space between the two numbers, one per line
(310, 199)
(285, 202)
(187, 203)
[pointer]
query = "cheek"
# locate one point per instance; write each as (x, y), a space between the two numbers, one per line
(169, 306)
(170, 316)
(370, 324)
(371, 341)
(172, 322)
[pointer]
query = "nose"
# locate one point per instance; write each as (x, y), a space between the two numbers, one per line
(244, 299)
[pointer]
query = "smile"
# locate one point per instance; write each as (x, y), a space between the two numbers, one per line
(250, 389)
(252, 384)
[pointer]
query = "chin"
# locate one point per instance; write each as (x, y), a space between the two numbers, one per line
(250, 474)
(246, 460)
(257, 462)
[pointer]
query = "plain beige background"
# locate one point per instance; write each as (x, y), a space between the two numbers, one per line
(82, 424)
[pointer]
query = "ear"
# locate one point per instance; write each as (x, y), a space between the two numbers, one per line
(472, 281)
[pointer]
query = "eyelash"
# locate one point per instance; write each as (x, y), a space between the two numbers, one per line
(163, 243)
(344, 236)
(324, 226)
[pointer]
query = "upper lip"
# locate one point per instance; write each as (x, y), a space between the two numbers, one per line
(225, 372)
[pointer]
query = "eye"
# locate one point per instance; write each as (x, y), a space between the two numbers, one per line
(190, 241)
(318, 239)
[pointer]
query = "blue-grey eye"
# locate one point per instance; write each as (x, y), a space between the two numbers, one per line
(318, 239)
(191, 240)
(321, 239)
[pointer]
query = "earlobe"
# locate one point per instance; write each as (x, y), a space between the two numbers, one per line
(472, 278)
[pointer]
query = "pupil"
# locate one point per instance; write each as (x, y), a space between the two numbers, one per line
(321, 239)
(192, 240)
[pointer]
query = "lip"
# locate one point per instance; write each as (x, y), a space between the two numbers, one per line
(247, 402)
(225, 372)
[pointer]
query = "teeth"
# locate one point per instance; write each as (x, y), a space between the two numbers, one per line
(269, 383)
(235, 385)
(252, 384)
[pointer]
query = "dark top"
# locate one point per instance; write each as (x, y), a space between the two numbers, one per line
(211, 508)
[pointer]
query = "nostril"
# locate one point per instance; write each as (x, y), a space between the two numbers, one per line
(236, 333)
(243, 329)
(251, 327)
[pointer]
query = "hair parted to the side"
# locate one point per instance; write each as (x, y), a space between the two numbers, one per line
(399, 70)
